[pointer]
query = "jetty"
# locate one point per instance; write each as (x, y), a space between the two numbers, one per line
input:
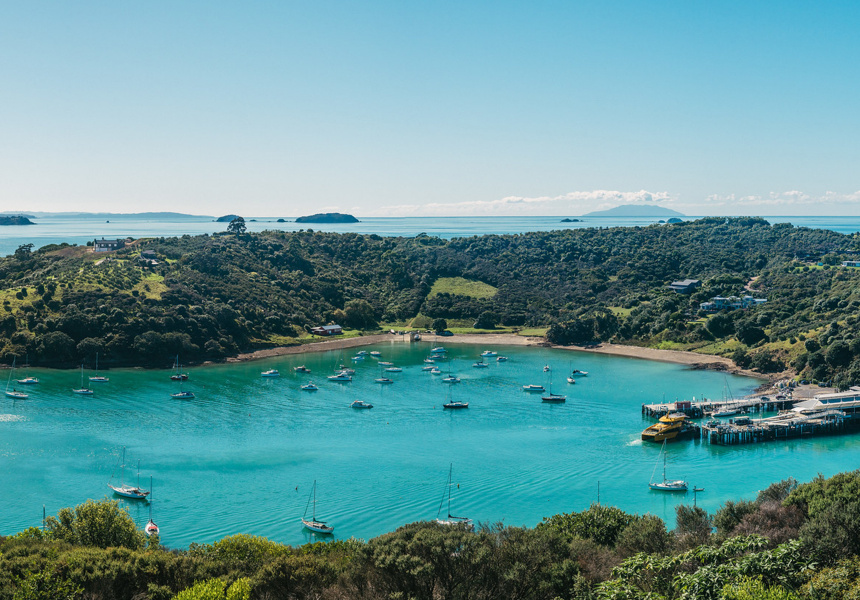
(825, 414)
(696, 409)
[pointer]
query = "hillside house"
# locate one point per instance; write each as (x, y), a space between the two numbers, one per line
(327, 330)
(851, 263)
(104, 245)
(731, 303)
(686, 286)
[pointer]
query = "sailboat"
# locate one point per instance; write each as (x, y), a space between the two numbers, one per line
(98, 378)
(179, 375)
(451, 519)
(28, 380)
(454, 403)
(83, 391)
(313, 524)
(553, 398)
(14, 393)
(182, 394)
(667, 485)
(128, 491)
(151, 528)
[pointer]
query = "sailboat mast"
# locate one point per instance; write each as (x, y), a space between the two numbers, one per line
(450, 483)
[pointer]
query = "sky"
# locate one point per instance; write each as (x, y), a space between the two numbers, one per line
(420, 108)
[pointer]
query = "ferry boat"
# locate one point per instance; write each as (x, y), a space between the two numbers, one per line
(669, 427)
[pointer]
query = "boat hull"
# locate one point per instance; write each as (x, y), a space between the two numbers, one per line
(456, 405)
(151, 528)
(317, 526)
(130, 492)
(17, 395)
(669, 486)
(83, 392)
(554, 399)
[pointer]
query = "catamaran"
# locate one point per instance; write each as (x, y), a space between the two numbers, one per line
(451, 519)
(313, 524)
(135, 492)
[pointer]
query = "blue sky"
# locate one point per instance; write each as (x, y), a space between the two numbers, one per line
(430, 108)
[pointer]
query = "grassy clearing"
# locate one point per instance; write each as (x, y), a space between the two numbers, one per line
(533, 331)
(151, 286)
(462, 287)
(619, 311)
(720, 348)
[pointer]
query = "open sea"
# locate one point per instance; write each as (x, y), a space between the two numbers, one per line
(243, 455)
(81, 229)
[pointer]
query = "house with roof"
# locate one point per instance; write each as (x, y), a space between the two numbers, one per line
(104, 245)
(731, 303)
(685, 286)
(327, 330)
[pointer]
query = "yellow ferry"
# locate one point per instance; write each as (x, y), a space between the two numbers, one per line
(669, 427)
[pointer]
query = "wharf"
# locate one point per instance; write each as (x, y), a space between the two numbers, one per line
(696, 409)
(783, 426)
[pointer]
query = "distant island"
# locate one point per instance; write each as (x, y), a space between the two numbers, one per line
(226, 218)
(570, 220)
(15, 220)
(636, 210)
(281, 221)
(328, 218)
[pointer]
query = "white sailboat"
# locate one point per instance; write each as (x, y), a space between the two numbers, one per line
(313, 524)
(151, 528)
(28, 380)
(179, 375)
(451, 519)
(83, 391)
(667, 485)
(13, 393)
(98, 378)
(128, 491)
(553, 398)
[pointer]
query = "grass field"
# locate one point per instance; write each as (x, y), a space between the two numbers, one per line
(462, 287)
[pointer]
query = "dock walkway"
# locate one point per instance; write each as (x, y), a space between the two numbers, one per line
(699, 408)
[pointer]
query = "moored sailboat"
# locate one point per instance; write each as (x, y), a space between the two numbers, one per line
(98, 378)
(667, 485)
(451, 519)
(134, 492)
(83, 390)
(314, 524)
(13, 393)
(151, 528)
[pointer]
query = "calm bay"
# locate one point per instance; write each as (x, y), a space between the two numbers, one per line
(242, 456)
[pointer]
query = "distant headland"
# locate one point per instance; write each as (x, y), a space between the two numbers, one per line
(15, 220)
(328, 218)
(226, 219)
(636, 210)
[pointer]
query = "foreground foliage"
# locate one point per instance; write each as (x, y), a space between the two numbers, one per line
(600, 553)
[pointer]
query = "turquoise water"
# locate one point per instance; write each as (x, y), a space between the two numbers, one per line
(243, 455)
(81, 229)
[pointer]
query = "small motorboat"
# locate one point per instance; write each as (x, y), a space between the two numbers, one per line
(489, 353)
(546, 369)
(361, 353)
(301, 369)
(428, 361)
(578, 373)
(501, 358)
(309, 387)
(428, 368)
(358, 357)
(183, 395)
(384, 363)
(375, 353)
(571, 380)
(438, 350)
(456, 404)
(533, 388)
(450, 379)
(361, 404)
(435, 371)
(394, 369)
(28, 381)
(480, 365)
(340, 377)
(384, 380)
(270, 373)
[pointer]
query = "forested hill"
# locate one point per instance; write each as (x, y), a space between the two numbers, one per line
(207, 297)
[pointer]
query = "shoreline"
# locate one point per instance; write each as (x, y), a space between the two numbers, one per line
(681, 357)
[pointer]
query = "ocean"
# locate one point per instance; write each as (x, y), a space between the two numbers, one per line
(81, 229)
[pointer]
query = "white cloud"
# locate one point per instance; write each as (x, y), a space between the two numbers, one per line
(571, 203)
(792, 198)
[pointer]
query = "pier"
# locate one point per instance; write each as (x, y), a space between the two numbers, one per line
(786, 425)
(696, 409)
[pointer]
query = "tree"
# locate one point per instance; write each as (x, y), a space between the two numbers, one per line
(486, 320)
(237, 226)
(102, 524)
(24, 251)
(359, 314)
(439, 325)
